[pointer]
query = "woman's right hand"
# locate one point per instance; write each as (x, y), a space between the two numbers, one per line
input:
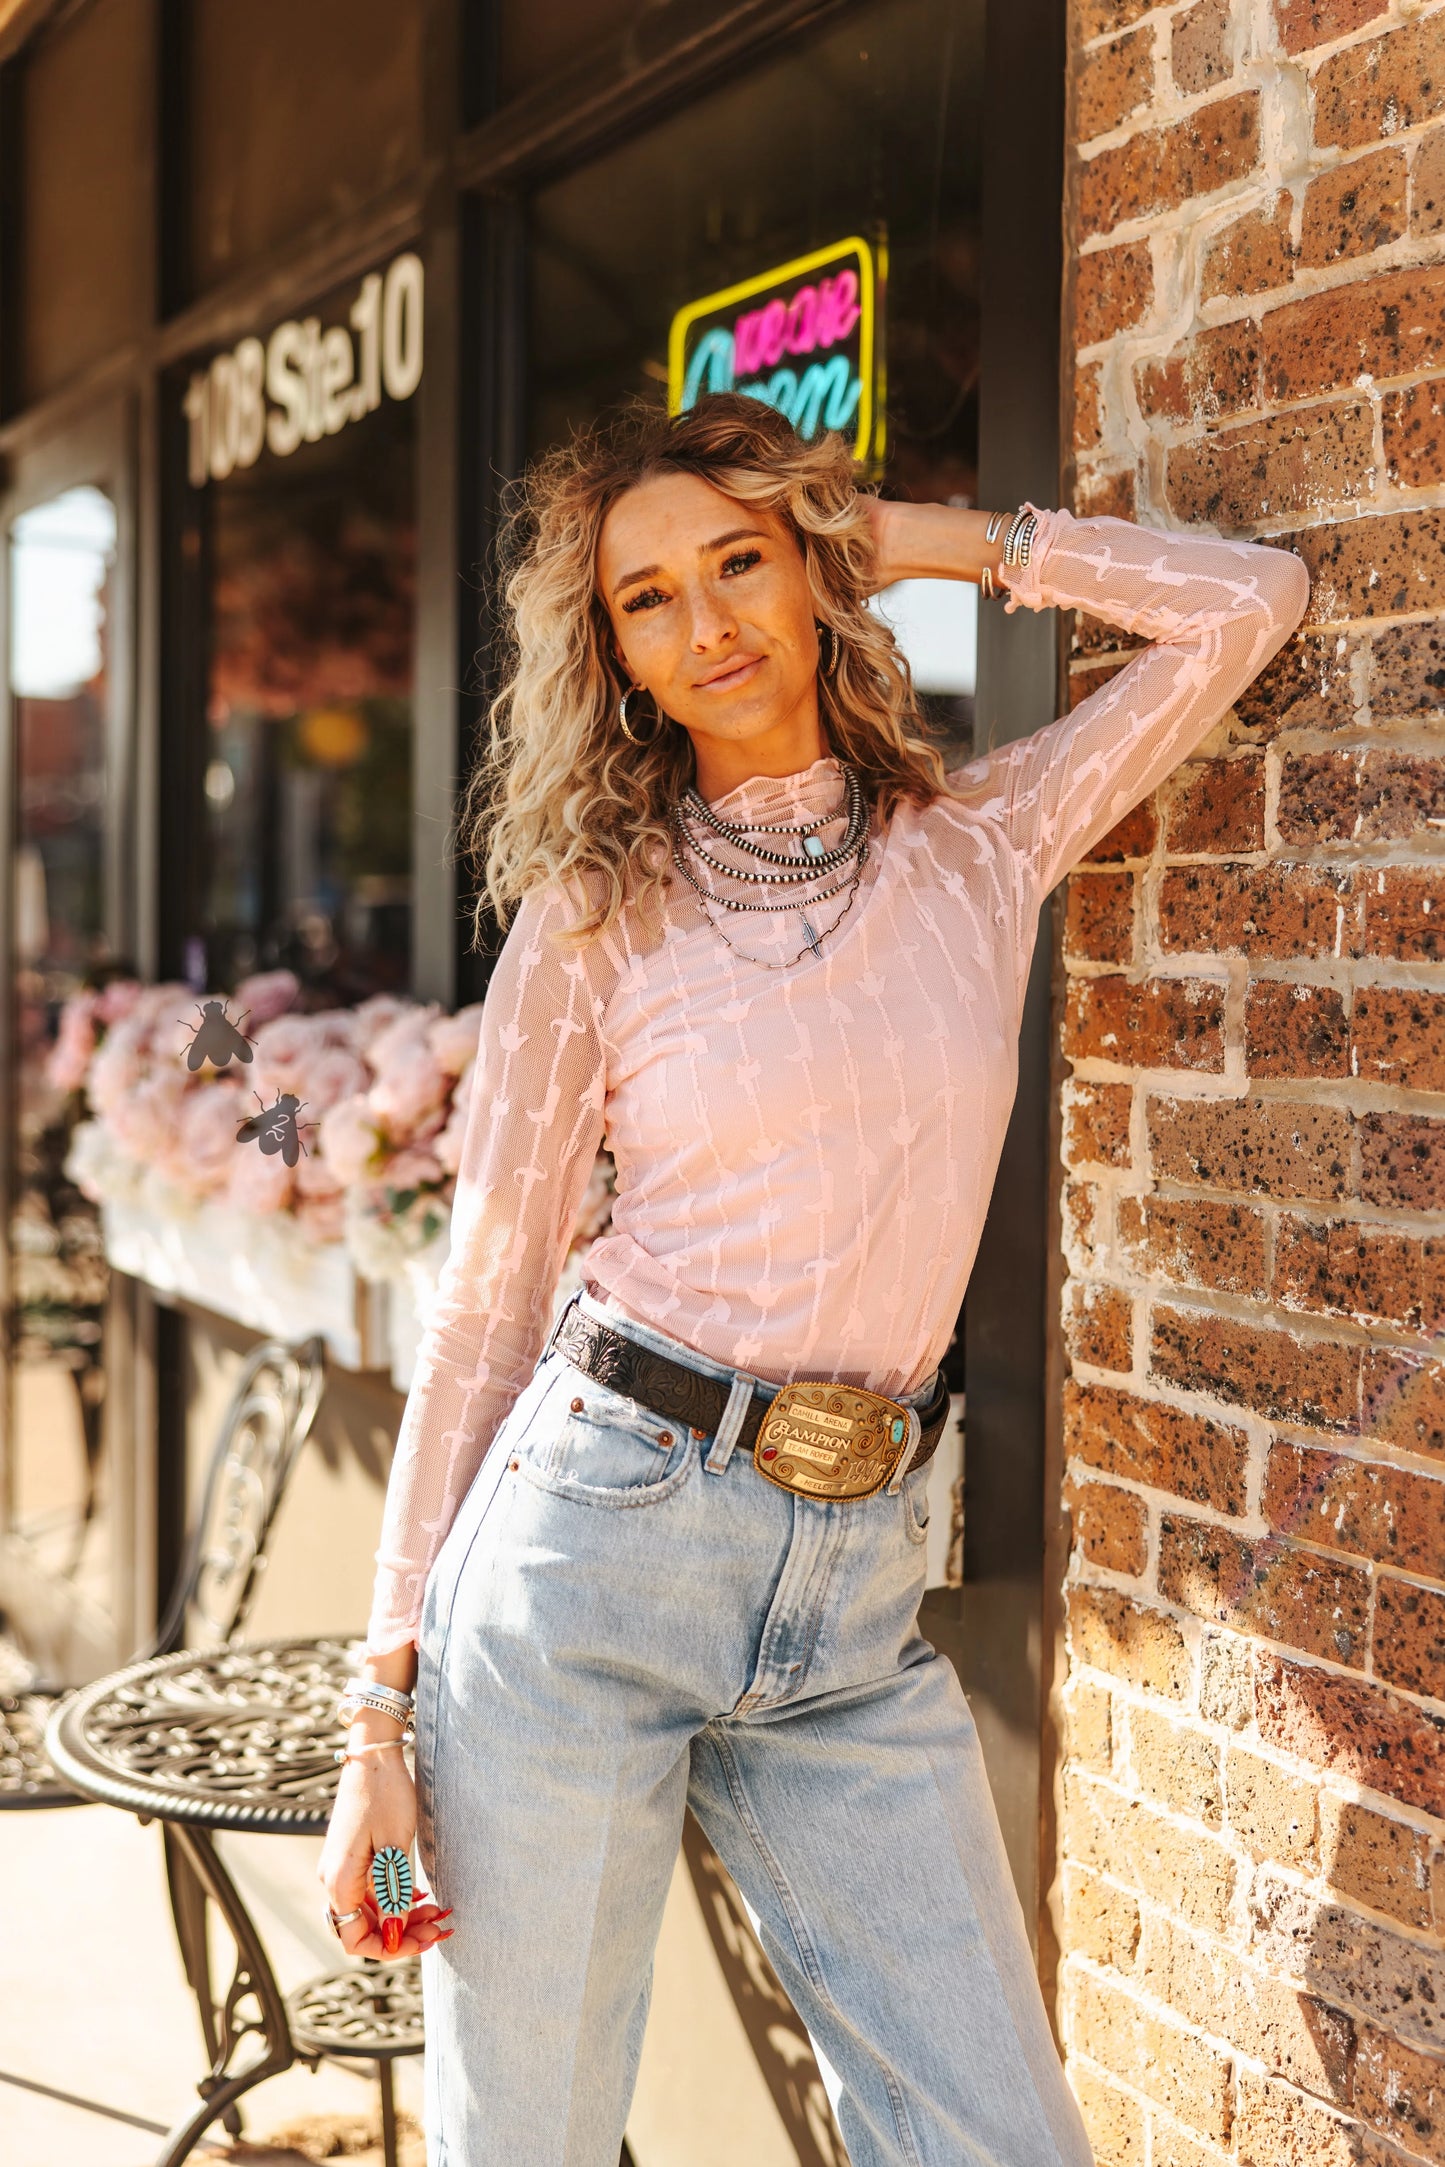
(375, 1806)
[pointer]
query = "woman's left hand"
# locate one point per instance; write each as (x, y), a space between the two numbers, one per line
(883, 519)
(928, 541)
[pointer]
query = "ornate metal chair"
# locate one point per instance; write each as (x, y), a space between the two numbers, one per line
(266, 1424)
(370, 2013)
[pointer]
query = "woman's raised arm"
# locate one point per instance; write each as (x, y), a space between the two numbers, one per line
(1215, 611)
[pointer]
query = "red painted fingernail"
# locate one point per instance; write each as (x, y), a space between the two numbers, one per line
(447, 1913)
(447, 1935)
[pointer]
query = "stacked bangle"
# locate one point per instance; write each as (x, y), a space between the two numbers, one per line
(385, 1700)
(1019, 541)
(1018, 545)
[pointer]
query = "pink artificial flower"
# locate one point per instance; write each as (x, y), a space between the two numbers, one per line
(117, 1000)
(285, 1050)
(208, 1134)
(146, 1121)
(373, 1017)
(453, 1039)
(337, 1028)
(164, 1020)
(413, 1169)
(259, 1182)
(130, 1052)
(323, 1218)
(315, 1176)
(116, 1069)
(350, 1141)
(335, 1074)
(70, 1056)
(448, 1144)
(411, 1089)
(263, 997)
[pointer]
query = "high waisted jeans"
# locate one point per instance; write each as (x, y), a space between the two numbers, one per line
(624, 1619)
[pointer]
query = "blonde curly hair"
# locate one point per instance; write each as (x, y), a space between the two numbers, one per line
(561, 794)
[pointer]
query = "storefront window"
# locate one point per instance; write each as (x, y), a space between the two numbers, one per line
(305, 533)
(300, 112)
(84, 202)
(870, 132)
(61, 556)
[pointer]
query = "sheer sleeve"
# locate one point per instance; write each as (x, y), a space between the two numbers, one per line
(533, 1128)
(1215, 610)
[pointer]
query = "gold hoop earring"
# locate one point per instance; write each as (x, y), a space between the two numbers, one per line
(629, 733)
(827, 653)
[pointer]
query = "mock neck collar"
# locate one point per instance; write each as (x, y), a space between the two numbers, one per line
(815, 789)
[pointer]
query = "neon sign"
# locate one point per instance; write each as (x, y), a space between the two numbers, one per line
(805, 338)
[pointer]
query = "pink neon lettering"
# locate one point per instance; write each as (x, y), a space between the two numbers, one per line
(746, 361)
(817, 316)
(838, 308)
(802, 333)
(773, 323)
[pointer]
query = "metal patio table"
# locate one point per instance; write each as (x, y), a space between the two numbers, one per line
(242, 1738)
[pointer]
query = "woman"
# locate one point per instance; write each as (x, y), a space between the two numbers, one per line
(764, 946)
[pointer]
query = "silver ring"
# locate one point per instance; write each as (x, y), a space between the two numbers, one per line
(337, 1919)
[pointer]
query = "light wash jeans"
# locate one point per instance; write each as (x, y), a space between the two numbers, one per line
(625, 1619)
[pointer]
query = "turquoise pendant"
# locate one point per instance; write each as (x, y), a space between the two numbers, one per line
(391, 1882)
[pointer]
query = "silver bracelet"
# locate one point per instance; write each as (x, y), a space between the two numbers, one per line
(991, 531)
(986, 586)
(404, 1701)
(385, 1700)
(1019, 541)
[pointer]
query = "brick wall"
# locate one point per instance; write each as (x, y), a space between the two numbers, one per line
(1251, 1893)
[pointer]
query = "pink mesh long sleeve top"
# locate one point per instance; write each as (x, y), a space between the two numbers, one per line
(804, 1157)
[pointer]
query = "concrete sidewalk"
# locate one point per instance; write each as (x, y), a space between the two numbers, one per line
(100, 2043)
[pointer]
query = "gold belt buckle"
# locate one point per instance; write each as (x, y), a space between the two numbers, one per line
(831, 1440)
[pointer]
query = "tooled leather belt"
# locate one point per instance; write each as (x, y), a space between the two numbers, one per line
(809, 1425)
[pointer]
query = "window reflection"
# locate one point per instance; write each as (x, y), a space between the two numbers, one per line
(61, 558)
(307, 772)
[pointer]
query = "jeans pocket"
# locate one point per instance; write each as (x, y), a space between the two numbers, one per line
(598, 1447)
(915, 1504)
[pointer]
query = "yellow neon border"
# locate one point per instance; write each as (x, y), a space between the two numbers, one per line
(710, 303)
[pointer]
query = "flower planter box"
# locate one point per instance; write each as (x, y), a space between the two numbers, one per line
(261, 1273)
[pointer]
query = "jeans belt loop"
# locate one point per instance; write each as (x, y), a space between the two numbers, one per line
(910, 1446)
(725, 1437)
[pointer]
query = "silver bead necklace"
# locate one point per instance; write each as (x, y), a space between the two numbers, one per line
(775, 868)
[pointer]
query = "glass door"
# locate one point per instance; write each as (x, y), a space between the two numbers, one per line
(56, 1566)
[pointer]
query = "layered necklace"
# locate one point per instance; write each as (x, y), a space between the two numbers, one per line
(695, 824)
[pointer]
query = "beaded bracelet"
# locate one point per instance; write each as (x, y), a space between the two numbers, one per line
(1019, 541)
